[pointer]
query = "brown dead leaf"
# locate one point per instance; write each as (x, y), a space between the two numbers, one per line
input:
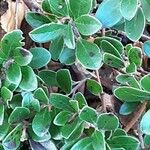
(13, 16)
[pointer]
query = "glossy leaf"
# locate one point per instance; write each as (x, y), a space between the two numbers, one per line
(116, 43)
(146, 7)
(12, 140)
(36, 19)
(61, 102)
(130, 94)
(88, 114)
(111, 17)
(69, 38)
(135, 56)
(127, 108)
(47, 32)
(41, 57)
(146, 47)
(67, 56)
(113, 61)
(126, 142)
(41, 95)
(109, 48)
(18, 114)
(8, 45)
(29, 80)
(22, 56)
(145, 124)
(88, 25)
(41, 122)
(81, 100)
(145, 81)
(2, 109)
(89, 55)
(56, 47)
(49, 77)
(94, 87)
(62, 118)
(135, 27)
(59, 7)
(64, 80)
(80, 7)
(6, 94)
(129, 8)
(107, 122)
(14, 74)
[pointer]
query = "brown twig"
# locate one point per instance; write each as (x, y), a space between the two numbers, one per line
(136, 116)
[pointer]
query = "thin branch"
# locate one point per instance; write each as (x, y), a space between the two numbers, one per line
(138, 113)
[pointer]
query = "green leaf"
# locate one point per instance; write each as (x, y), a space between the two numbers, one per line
(75, 105)
(126, 142)
(135, 27)
(59, 7)
(127, 108)
(22, 56)
(69, 129)
(145, 81)
(84, 144)
(14, 74)
(46, 6)
(6, 94)
(67, 56)
(127, 79)
(41, 95)
(98, 141)
(146, 47)
(116, 43)
(30, 102)
(18, 114)
(41, 122)
(36, 138)
(77, 9)
(145, 124)
(113, 61)
(146, 7)
(4, 128)
(49, 77)
(41, 57)
(130, 94)
(8, 45)
(81, 100)
(131, 68)
(64, 80)
(129, 8)
(62, 118)
(147, 140)
(69, 38)
(56, 47)
(135, 56)
(88, 25)
(88, 114)
(2, 109)
(94, 87)
(109, 13)
(61, 102)
(47, 32)
(29, 80)
(119, 132)
(88, 54)
(12, 140)
(35, 19)
(109, 48)
(107, 121)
